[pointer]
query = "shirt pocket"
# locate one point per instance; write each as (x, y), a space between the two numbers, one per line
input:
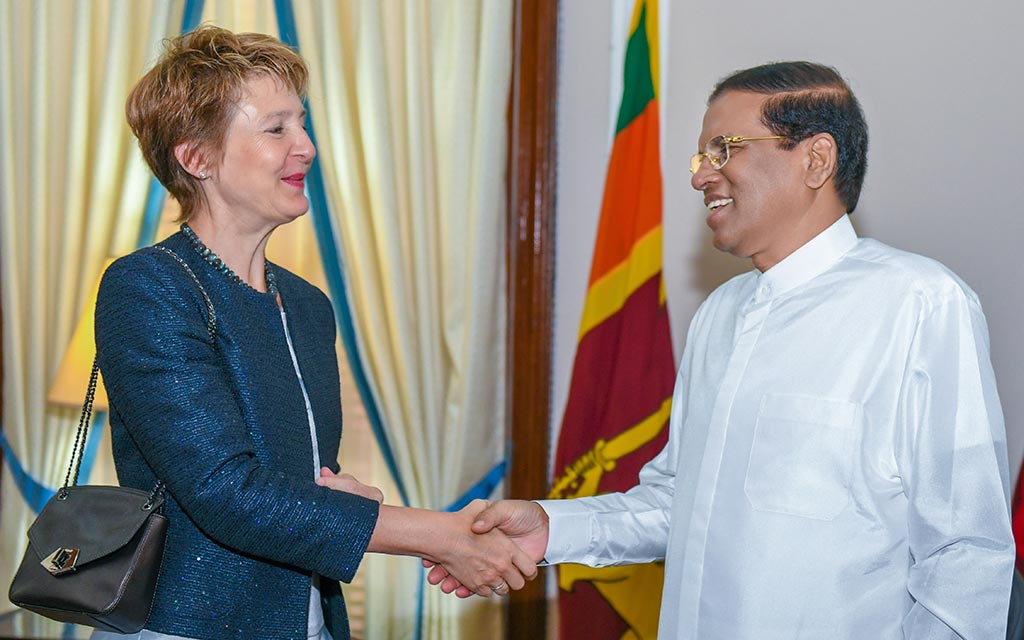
(801, 456)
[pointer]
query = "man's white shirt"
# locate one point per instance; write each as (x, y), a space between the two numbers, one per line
(836, 464)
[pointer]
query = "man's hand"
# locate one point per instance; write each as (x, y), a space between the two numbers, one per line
(488, 563)
(491, 560)
(524, 522)
(347, 483)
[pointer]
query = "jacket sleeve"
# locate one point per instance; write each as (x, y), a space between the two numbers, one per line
(951, 453)
(167, 383)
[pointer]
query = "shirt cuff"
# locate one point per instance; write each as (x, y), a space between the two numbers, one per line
(569, 530)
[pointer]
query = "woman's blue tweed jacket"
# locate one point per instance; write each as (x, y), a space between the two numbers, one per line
(225, 428)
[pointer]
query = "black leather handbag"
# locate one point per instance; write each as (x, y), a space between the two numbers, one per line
(94, 552)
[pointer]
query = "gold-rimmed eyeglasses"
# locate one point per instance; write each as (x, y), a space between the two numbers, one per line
(717, 150)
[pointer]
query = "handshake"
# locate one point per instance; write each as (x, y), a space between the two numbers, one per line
(485, 548)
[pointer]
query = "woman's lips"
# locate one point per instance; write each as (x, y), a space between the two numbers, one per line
(296, 180)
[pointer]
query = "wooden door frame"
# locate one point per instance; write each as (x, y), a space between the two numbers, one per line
(531, 262)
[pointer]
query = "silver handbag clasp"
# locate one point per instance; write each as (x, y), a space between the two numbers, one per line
(61, 561)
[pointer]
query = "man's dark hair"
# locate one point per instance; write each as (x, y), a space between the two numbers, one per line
(808, 99)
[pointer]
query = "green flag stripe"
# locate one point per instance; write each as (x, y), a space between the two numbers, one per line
(637, 85)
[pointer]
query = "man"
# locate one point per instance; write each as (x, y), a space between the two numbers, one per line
(836, 465)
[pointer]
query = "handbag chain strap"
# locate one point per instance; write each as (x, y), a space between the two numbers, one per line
(211, 315)
(83, 431)
(78, 450)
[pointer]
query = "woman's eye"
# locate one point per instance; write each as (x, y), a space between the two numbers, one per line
(277, 129)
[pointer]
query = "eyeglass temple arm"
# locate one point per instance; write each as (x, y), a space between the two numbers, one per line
(731, 139)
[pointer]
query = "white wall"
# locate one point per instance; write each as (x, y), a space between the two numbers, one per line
(942, 84)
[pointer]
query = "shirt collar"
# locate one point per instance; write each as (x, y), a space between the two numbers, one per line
(812, 259)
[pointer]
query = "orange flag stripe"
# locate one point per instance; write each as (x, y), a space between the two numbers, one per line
(633, 185)
(606, 296)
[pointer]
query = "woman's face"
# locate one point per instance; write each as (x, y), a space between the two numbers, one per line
(267, 154)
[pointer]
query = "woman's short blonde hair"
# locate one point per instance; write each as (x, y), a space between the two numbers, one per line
(190, 96)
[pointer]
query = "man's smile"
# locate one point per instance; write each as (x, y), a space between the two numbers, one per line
(717, 203)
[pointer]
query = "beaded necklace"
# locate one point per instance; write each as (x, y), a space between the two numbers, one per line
(219, 265)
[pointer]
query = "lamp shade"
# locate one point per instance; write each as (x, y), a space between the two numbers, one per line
(72, 378)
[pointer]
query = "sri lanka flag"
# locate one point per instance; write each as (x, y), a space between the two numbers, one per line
(619, 397)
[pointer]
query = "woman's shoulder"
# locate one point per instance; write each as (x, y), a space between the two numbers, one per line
(149, 262)
(148, 274)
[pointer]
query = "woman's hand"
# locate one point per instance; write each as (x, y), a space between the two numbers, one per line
(347, 483)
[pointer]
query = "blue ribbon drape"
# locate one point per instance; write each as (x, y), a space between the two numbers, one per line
(34, 492)
(484, 487)
(325, 236)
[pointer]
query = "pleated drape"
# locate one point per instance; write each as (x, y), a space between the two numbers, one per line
(409, 102)
(72, 187)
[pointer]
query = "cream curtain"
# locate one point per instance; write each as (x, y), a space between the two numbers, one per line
(72, 188)
(409, 101)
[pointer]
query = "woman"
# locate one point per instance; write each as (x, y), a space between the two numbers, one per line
(238, 425)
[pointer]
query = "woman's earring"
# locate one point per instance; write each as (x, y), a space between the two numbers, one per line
(202, 175)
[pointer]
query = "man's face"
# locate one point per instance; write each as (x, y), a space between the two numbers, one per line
(756, 201)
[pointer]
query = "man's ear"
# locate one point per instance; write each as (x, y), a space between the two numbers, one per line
(821, 160)
(191, 160)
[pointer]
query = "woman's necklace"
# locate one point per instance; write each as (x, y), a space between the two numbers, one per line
(219, 265)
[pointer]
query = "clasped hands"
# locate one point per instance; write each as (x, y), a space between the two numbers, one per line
(485, 548)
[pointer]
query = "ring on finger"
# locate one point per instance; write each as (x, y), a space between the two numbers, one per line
(500, 587)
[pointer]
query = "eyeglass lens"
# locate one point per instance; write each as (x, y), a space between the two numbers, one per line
(716, 151)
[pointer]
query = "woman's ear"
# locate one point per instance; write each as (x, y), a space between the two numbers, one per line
(191, 160)
(821, 160)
